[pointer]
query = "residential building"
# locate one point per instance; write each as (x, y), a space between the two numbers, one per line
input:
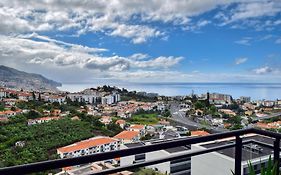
(128, 136)
(121, 123)
(105, 120)
(199, 133)
(3, 93)
(56, 98)
(175, 167)
(90, 146)
(41, 120)
(25, 96)
(245, 99)
(216, 98)
(139, 128)
(268, 103)
(8, 113)
(227, 111)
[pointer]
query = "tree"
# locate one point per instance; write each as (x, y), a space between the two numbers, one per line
(33, 96)
(32, 114)
(166, 113)
(199, 105)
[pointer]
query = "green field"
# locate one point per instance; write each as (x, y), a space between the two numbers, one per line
(145, 119)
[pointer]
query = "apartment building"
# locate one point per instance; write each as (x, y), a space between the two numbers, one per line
(216, 98)
(128, 137)
(175, 167)
(90, 146)
(3, 93)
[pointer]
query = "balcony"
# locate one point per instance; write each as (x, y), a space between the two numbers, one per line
(238, 144)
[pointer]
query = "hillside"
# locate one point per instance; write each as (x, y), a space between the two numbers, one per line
(13, 78)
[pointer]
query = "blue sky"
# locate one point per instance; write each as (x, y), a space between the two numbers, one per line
(143, 41)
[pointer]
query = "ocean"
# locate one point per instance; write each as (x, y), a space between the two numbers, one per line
(257, 91)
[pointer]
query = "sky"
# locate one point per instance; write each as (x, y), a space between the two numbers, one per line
(88, 41)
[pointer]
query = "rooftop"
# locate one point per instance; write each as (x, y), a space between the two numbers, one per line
(249, 151)
(127, 135)
(95, 141)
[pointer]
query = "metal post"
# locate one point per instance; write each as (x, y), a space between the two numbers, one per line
(238, 155)
(277, 153)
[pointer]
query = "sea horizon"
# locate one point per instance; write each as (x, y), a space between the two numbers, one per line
(257, 91)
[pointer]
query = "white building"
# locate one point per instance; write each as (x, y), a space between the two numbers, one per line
(128, 137)
(175, 167)
(245, 99)
(2, 93)
(41, 120)
(89, 146)
(56, 98)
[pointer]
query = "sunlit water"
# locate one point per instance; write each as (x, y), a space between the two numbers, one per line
(255, 90)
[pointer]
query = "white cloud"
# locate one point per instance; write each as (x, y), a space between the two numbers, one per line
(242, 60)
(124, 18)
(278, 41)
(47, 51)
(263, 70)
(246, 41)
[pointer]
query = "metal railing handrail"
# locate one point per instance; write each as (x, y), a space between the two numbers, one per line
(59, 163)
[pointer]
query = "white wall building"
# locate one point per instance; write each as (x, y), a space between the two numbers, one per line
(175, 167)
(89, 146)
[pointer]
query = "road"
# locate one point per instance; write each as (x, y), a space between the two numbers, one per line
(180, 118)
(268, 116)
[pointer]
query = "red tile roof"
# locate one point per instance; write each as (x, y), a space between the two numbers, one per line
(127, 135)
(86, 144)
(137, 126)
(199, 133)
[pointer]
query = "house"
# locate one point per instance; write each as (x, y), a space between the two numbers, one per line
(25, 96)
(10, 101)
(128, 136)
(227, 111)
(41, 120)
(105, 120)
(272, 125)
(8, 113)
(199, 133)
(121, 123)
(90, 146)
(56, 98)
(164, 123)
(56, 112)
(20, 144)
(249, 113)
(139, 128)
(3, 93)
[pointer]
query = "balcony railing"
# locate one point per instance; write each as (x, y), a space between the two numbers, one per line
(59, 163)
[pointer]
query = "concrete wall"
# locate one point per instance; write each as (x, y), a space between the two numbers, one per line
(211, 163)
(162, 167)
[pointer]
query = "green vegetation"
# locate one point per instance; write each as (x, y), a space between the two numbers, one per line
(146, 171)
(145, 119)
(166, 113)
(40, 140)
(271, 168)
(134, 96)
(2, 107)
(236, 122)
